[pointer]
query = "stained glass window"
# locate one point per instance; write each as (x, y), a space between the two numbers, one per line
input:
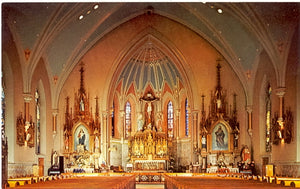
(170, 119)
(268, 118)
(113, 121)
(3, 110)
(38, 121)
(127, 119)
(186, 118)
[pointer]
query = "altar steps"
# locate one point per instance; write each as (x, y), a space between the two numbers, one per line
(146, 186)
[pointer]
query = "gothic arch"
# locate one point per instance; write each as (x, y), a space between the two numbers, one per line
(163, 44)
(8, 80)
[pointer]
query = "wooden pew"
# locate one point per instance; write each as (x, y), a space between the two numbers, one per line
(13, 182)
(288, 181)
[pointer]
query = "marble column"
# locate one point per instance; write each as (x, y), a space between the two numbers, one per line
(249, 112)
(280, 93)
(54, 120)
(27, 100)
(106, 137)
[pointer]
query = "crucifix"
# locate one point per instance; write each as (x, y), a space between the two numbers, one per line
(149, 98)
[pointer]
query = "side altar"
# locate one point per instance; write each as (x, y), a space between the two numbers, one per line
(149, 147)
(82, 134)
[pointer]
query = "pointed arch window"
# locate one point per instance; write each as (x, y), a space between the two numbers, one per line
(186, 118)
(268, 118)
(38, 121)
(170, 119)
(113, 120)
(3, 113)
(127, 119)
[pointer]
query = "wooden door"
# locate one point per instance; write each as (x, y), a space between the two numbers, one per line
(41, 166)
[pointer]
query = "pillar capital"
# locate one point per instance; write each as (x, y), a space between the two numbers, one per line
(54, 112)
(27, 97)
(249, 108)
(105, 113)
(195, 114)
(280, 91)
(177, 112)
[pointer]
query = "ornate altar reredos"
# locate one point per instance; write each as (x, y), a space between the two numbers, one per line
(149, 147)
(219, 130)
(82, 132)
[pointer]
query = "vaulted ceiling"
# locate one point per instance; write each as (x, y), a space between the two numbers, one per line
(61, 33)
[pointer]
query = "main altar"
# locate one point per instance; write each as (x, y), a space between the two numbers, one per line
(149, 147)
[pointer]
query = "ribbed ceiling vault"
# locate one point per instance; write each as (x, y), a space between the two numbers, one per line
(62, 33)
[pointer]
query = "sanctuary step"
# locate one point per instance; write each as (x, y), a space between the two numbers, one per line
(146, 186)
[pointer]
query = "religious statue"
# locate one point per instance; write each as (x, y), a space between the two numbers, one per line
(159, 122)
(236, 133)
(220, 137)
(96, 156)
(165, 146)
(141, 148)
(27, 133)
(140, 122)
(149, 110)
(136, 148)
(203, 141)
(67, 143)
(66, 135)
(54, 159)
(246, 156)
(158, 147)
(149, 98)
(96, 142)
(81, 105)
(221, 161)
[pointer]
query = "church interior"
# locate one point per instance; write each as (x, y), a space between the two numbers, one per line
(150, 89)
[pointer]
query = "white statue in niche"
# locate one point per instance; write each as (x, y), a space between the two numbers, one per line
(140, 122)
(81, 105)
(96, 142)
(159, 122)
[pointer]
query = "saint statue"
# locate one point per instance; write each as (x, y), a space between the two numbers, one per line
(246, 156)
(159, 122)
(55, 159)
(81, 105)
(236, 136)
(140, 122)
(203, 141)
(67, 143)
(220, 137)
(96, 142)
(141, 148)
